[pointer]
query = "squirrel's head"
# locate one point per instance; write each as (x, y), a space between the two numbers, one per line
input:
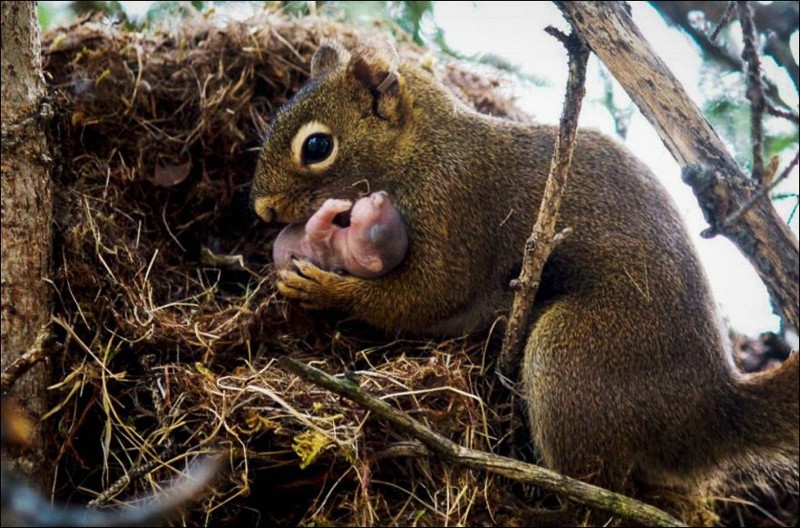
(334, 138)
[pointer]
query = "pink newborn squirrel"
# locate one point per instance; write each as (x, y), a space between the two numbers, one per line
(373, 244)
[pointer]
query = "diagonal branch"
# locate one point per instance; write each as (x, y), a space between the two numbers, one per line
(718, 183)
(576, 490)
(776, 20)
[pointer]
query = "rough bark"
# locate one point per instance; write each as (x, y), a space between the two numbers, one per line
(718, 183)
(26, 219)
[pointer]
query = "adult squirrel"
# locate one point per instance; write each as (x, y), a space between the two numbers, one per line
(626, 374)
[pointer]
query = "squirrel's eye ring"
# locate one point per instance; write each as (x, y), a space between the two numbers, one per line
(316, 148)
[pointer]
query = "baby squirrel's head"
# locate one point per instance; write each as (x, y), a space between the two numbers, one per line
(335, 138)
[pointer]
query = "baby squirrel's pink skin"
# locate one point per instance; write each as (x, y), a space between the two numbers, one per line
(373, 244)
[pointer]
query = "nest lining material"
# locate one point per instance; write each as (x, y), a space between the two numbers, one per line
(166, 307)
(168, 317)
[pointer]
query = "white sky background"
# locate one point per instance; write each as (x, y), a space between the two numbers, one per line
(515, 32)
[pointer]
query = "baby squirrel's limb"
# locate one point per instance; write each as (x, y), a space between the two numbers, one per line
(320, 227)
(372, 245)
(314, 241)
(325, 242)
(376, 241)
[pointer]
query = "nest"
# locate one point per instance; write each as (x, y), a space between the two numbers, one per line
(167, 312)
(168, 317)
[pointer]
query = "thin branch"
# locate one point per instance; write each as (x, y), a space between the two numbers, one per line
(786, 114)
(755, 90)
(38, 351)
(781, 52)
(544, 238)
(764, 191)
(794, 211)
(676, 13)
(723, 21)
(132, 475)
(576, 490)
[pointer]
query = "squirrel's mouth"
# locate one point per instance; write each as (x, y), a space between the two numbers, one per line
(282, 209)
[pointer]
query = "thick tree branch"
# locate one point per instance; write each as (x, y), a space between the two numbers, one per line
(715, 177)
(576, 490)
(544, 238)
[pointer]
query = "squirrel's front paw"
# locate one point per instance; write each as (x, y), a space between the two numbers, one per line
(315, 288)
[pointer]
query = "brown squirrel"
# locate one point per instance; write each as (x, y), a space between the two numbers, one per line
(627, 374)
(373, 244)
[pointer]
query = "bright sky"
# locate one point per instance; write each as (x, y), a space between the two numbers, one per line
(515, 32)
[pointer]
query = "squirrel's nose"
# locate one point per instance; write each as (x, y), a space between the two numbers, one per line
(263, 206)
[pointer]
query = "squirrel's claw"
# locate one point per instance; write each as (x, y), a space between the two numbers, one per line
(313, 287)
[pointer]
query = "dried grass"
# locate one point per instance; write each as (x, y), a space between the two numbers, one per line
(167, 313)
(169, 321)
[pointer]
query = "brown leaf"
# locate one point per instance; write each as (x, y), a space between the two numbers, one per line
(169, 175)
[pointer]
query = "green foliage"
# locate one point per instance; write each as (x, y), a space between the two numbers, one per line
(171, 9)
(54, 14)
(112, 10)
(45, 15)
(731, 119)
(410, 15)
(780, 142)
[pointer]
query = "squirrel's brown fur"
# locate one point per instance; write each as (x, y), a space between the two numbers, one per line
(626, 372)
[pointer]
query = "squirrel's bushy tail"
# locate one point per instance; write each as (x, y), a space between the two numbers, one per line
(766, 410)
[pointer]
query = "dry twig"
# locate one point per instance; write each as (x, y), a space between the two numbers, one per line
(544, 238)
(723, 21)
(768, 186)
(755, 90)
(576, 490)
(23, 363)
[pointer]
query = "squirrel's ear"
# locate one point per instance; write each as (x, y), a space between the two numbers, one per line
(330, 56)
(375, 69)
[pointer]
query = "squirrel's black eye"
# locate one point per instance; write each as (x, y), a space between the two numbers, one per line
(316, 148)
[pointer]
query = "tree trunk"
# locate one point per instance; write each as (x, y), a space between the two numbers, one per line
(26, 220)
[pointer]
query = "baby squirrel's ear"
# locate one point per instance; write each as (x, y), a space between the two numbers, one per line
(330, 56)
(375, 70)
